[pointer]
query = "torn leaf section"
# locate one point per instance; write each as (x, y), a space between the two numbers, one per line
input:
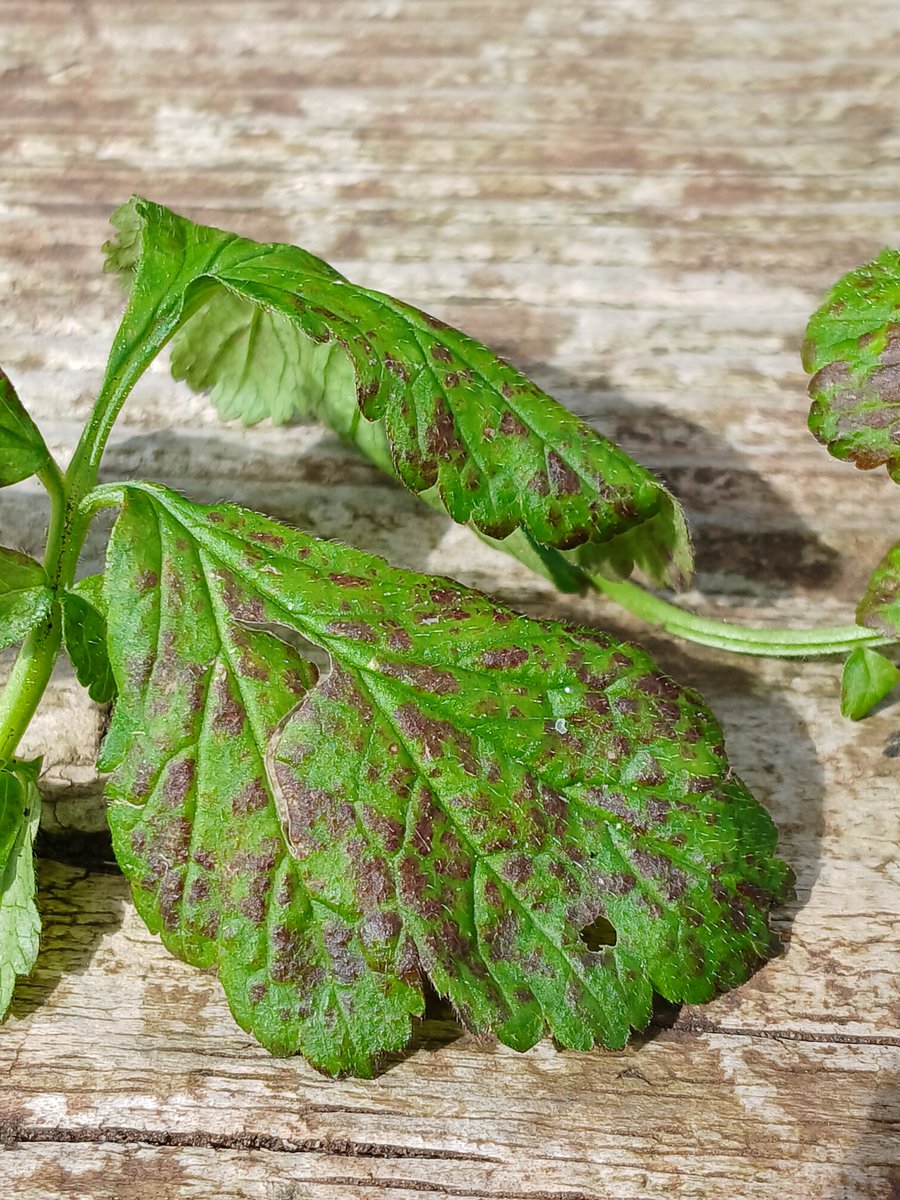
(457, 799)
(853, 347)
(25, 596)
(20, 922)
(22, 449)
(271, 331)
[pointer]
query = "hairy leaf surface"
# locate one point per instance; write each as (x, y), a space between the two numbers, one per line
(853, 346)
(20, 922)
(22, 448)
(459, 797)
(25, 597)
(270, 330)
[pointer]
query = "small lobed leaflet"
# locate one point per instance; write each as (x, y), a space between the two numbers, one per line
(270, 331)
(458, 798)
(84, 636)
(25, 595)
(22, 449)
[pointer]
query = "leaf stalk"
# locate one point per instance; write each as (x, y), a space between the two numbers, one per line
(760, 641)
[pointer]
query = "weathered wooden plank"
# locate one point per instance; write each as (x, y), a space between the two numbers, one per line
(640, 202)
(113, 1040)
(110, 1171)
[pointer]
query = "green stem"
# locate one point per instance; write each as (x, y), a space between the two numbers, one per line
(739, 639)
(34, 664)
(706, 631)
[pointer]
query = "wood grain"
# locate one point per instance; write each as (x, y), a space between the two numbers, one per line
(640, 202)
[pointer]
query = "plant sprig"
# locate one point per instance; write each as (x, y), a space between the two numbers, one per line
(527, 816)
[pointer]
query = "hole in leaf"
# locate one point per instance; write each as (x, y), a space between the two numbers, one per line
(598, 934)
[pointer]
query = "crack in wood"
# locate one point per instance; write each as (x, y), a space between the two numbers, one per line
(12, 1134)
(694, 1025)
(290, 1192)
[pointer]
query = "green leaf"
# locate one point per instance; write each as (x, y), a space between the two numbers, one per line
(460, 797)
(22, 449)
(867, 678)
(853, 346)
(84, 634)
(880, 606)
(12, 809)
(20, 922)
(25, 597)
(271, 331)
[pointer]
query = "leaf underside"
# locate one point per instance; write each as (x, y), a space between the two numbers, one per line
(457, 799)
(853, 347)
(272, 331)
(20, 922)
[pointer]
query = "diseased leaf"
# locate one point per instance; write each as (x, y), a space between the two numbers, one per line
(84, 634)
(880, 606)
(22, 449)
(853, 346)
(867, 678)
(271, 331)
(25, 597)
(20, 922)
(460, 797)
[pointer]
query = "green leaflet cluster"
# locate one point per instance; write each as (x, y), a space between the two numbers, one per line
(457, 798)
(271, 331)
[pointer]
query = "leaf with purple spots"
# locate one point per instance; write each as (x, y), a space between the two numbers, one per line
(528, 816)
(852, 349)
(271, 331)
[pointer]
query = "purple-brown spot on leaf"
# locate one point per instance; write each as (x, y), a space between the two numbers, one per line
(348, 581)
(512, 426)
(505, 658)
(178, 781)
(356, 631)
(229, 717)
